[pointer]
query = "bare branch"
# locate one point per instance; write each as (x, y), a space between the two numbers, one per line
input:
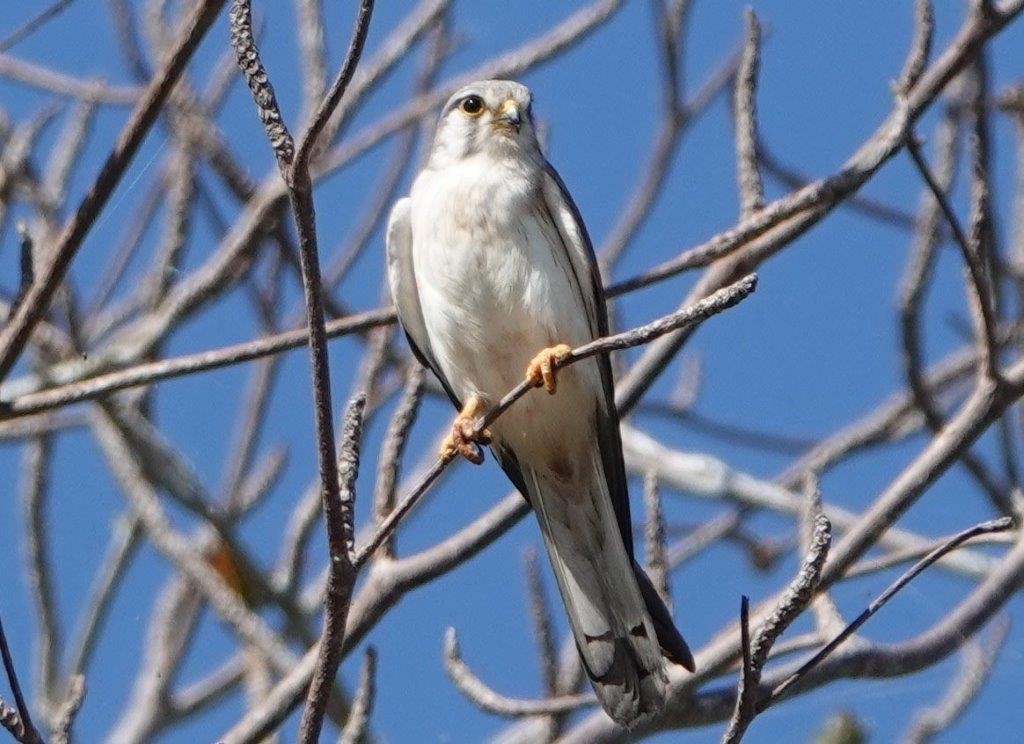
(996, 525)
(17, 722)
(745, 119)
(977, 659)
(330, 102)
(248, 58)
(355, 728)
(33, 24)
(338, 517)
(978, 283)
(540, 617)
(27, 267)
(391, 451)
(920, 48)
(35, 494)
(165, 369)
(488, 700)
(66, 85)
(121, 548)
(794, 601)
(654, 539)
(15, 334)
(310, 33)
(66, 713)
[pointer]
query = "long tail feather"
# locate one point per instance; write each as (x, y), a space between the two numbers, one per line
(617, 634)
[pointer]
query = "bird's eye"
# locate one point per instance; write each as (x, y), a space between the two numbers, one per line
(472, 105)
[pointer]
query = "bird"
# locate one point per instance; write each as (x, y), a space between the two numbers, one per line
(494, 278)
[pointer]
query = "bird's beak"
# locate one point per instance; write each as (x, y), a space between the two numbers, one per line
(508, 115)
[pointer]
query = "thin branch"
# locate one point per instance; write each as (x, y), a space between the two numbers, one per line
(338, 517)
(204, 692)
(978, 282)
(977, 659)
(248, 59)
(912, 553)
(671, 23)
(33, 24)
(26, 264)
(746, 689)
(867, 206)
(726, 431)
(745, 117)
(16, 333)
(121, 549)
(310, 33)
(165, 369)
(392, 449)
(17, 722)
(794, 601)
(981, 228)
(65, 714)
(358, 721)
(128, 39)
(35, 494)
(920, 48)
(654, 539)
(492, 702)
(251, 416)
(913, 286)
(995, 525)
(308, 141)
(40, 77)
(540, 617)
(67, 154)
(687, 317)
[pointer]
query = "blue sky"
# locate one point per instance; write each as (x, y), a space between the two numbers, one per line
(815, 348)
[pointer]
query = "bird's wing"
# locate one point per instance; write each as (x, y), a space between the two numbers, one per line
(404, 292)
(576, 243)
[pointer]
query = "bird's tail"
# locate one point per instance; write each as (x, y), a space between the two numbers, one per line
(622, 628)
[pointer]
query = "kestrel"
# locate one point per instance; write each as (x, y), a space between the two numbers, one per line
(494, 276)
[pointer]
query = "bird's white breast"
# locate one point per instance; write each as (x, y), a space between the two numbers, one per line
(495, 288)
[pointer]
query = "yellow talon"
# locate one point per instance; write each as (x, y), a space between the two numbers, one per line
(462, 439)
(542, 369)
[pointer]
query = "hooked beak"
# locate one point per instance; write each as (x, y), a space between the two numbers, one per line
(508, 115)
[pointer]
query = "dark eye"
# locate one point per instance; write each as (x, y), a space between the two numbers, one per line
(472, 105)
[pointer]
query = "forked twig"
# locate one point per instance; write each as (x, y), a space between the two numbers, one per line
(995, 525)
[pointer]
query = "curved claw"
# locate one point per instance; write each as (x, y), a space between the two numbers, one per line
(542, 369)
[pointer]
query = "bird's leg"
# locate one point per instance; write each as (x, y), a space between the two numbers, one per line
(541, 370)
(463, 439)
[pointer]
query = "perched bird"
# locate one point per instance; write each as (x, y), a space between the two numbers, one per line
(493, 274)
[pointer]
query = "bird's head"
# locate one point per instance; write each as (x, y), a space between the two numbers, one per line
(491, 117)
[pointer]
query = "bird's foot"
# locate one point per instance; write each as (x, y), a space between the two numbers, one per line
(464, 439)
(541, 370)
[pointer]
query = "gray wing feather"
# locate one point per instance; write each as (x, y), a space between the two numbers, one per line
(576, 242)
(405, 293)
